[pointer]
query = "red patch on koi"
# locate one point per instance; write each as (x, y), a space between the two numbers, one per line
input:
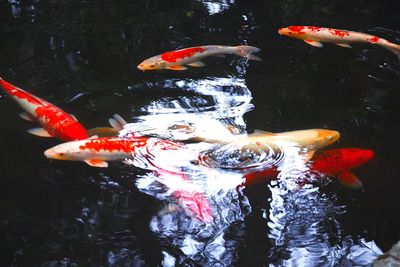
(314, 29)
(60, 124)
(339, 33)
(180, 54)
(297, 29)
(373, 39)
(114, 144)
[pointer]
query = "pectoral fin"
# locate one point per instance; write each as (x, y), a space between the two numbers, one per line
(73, 116)
(39, 132)
(344, 45)
(25, 116)
(97, 163)
(196, 64)
(177, 67)
(102, 132)
(350, 179)
(314, 43)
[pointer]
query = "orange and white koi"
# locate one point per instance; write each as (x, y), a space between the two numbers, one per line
(192, 56)
(97, 151)
(315, 36)
(55, 122)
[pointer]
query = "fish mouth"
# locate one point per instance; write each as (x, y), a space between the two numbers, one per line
(281, 31)
(141, 67)
(50, 154)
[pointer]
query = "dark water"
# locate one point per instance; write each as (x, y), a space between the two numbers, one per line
(82, 56)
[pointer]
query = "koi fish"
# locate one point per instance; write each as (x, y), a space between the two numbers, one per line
(315, 36)
(336, 162)
(96, 151)
(339, 162)
(55, 122)
(192, 56)
(309, 140)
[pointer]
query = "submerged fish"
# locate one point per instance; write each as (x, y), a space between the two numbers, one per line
(336, 162)
(187, 195)
(315, 36)
(192, 56)
(97, 151)
(55, 122)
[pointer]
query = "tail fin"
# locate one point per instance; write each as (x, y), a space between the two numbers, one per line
(247, 51)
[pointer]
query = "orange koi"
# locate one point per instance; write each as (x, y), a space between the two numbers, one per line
(192, 56)
(336, 162)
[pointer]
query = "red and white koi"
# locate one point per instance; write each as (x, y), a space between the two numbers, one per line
(55, 122)
(315, 36)
(192, 56)
(97, 151)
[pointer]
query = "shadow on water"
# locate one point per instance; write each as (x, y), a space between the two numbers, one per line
(188, 201)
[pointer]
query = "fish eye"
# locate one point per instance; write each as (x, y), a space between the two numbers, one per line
(61, 154)
(151, 65)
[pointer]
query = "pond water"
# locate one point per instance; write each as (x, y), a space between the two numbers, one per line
(168, 206)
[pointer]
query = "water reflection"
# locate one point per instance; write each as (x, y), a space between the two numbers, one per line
(305, 231)
(200, 183)
(215, 7)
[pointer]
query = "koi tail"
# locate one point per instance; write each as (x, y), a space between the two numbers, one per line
(247, 52)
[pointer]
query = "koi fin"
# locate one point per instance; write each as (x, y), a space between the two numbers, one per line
(177, 67)
(350, 179)
(97, 163)
(25, 116)
(344, 45)
(247, 51)
(314, 43)
(102, 132)
(196, 64)
(39, 132)
(117, 122)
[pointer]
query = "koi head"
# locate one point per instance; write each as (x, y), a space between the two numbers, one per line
(65, 151)
(153, 63)
(341, 160)
(293, 31)
(326, 138)
(356, 156)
